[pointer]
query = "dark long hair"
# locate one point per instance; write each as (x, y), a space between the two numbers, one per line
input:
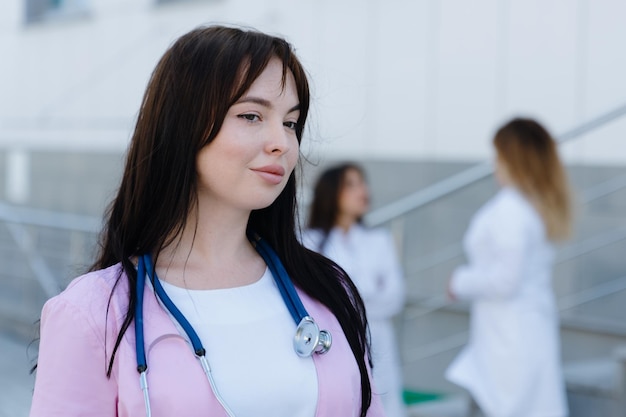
(191, 89)
(325, 206)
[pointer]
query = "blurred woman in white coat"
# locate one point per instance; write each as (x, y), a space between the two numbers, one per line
(341, 198)
(511, 365)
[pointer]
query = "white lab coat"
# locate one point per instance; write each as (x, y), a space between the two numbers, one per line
(511, 364)
(370, 259)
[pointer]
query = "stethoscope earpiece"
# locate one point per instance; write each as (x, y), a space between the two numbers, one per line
(310, 339)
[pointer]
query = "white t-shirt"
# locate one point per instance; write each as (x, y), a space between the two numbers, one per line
(247, 333)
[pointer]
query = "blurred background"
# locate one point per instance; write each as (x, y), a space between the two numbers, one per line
(411, 89)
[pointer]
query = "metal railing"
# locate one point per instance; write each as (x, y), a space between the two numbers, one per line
(49, 218)
(590, 195)
(395, 213)
(19, 221)
(458, 339)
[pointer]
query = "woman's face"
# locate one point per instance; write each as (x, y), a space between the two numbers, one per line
(354, 195)
(248, 163)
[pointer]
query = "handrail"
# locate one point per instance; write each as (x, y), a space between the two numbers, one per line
(591, 194)
(592, 293)
(605, 188)
(17, 218)
(567, 302)
(469, 176)
(44, 275)
(49, 218)
(433, 303)
(428, 195)
(591, 244)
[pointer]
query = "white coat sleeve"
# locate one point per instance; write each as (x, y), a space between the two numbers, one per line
(71, 372)
(386, 297)
(497, 271)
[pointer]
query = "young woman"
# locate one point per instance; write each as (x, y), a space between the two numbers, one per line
(187, 310)
(341, 198)
(511, 365)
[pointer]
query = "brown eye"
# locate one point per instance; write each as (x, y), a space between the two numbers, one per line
(249, 117)
(291, 125)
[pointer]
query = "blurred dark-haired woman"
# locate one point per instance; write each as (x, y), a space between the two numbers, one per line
(335, 229)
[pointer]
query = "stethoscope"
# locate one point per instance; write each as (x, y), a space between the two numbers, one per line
(308, 338)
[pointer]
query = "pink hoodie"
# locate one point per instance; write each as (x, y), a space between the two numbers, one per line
(77, 340)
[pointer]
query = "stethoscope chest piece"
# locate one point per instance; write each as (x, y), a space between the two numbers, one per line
(310, 339)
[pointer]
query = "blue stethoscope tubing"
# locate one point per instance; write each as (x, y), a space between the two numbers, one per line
(308, 338)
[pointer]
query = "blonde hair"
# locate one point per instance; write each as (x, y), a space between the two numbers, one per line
(530, 156)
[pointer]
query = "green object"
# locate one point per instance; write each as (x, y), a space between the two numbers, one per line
(414, 397)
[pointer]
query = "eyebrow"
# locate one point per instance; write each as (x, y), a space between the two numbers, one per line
(265, 103)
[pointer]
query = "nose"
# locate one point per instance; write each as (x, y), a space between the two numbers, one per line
(280, 138)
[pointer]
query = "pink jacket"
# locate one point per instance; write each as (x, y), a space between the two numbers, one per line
(77, 339)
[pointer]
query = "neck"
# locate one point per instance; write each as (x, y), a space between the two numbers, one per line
(345, 222)
(211, 252)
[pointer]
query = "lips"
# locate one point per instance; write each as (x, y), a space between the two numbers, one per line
(271, 173)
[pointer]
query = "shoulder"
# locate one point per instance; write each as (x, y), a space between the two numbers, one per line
(511, 203)
(511, 215)
(94, 286)
(92, 296)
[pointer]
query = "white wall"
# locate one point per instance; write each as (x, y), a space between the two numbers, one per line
(391, 78)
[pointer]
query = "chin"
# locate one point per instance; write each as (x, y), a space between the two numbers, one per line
(261, 203)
